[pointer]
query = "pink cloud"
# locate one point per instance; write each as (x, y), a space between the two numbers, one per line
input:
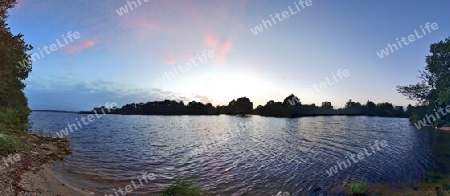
(170, 61)
(227, 46)
(78, 47)
(202, 98)
(211, 41)
(221, 48)
(143, 27)
(221, 55)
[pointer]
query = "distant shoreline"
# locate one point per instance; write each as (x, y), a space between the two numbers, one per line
(309, 115)
(57, 111)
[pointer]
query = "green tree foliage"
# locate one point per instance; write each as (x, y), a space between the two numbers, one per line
(15, 65)
(183, 187)
(434, 85)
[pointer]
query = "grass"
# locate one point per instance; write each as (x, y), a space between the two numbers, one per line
(13, 124)
(358, 188)
(182, 188)
(9, 144)
(13, 120)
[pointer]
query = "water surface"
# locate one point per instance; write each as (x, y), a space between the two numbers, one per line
(255, 155)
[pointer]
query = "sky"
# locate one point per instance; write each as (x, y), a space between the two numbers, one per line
(136, 56)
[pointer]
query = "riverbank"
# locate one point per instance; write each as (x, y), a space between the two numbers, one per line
(433, 187)
(427, 186)
(30, 170)
(444, 128)
(47, 182)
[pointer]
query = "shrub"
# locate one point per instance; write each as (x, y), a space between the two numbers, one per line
(182, 188)
(15, 120)
(9, 144)
(358, 188)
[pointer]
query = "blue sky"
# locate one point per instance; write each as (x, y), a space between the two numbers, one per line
(118, 58)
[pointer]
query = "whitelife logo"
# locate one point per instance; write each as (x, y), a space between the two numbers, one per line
(411, 38)
(53, 47)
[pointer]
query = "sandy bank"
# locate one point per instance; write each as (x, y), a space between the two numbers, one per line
(31, 173)
(444, 128)
(46, 182)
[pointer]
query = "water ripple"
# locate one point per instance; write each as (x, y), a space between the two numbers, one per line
(265, 156)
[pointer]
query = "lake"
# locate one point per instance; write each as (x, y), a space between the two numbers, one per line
(250, 155)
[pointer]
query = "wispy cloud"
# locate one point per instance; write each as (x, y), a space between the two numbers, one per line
(202, 98)
(169, 61)
(211, 41)
(221, 48)
(80, 46)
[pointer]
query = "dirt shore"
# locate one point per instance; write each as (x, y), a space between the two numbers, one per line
(444, 128)
(31, 173)
(46, 182)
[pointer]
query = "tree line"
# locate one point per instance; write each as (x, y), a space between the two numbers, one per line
(14, 109)
(290, 107)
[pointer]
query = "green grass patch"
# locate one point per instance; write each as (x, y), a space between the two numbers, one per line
(9, 144)
(13, 120)
(359, 188)
(2, 128)
(183, 188)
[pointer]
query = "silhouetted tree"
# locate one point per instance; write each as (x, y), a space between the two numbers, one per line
(434, 84)
(243, 105)
(292, 101)
(326, 105)
(370, 108)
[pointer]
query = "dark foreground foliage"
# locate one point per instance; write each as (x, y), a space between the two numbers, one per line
(15, 65)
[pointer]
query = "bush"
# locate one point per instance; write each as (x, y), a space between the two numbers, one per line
(9, 144)
(358, 188)
(13, 120)
(182, 188)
